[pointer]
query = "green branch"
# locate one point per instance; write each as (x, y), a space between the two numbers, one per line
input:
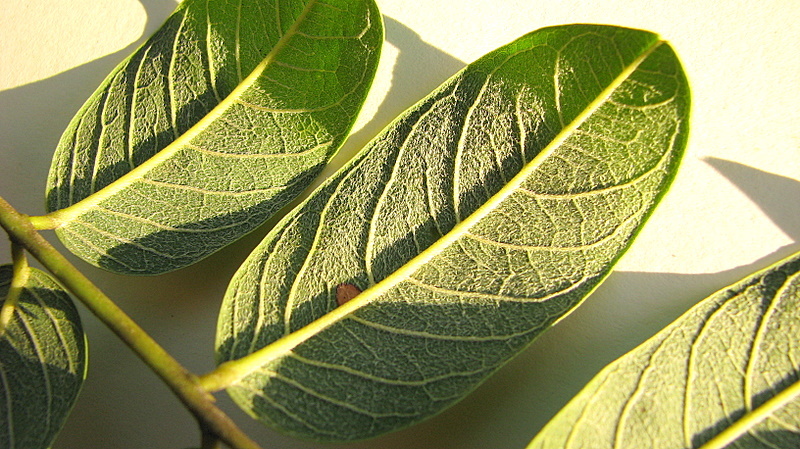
(183, 383)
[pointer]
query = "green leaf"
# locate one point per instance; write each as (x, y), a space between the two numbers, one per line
(472, 224)
(220, 119)
(725, 374)
(42, 361)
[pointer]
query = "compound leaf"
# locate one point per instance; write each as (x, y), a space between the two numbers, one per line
(42, 360)
(216, 122)
(472, 224)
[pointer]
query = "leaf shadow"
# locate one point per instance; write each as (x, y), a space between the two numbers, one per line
(408, 84)
(50, 104)
(774, 197)
(404, 80)
(407, 87)
(37, 420)
(87, 180)
(508, 409)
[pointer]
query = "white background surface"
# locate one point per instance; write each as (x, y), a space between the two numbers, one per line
(734, 207)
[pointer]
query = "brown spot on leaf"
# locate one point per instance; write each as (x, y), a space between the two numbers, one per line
(346, 292)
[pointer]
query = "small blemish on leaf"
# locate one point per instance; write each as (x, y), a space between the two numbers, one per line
(346, 292)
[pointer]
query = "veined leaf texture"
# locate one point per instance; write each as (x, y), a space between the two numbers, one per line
(472, 224)
(42, 361)
(724, 375)
(220, 119)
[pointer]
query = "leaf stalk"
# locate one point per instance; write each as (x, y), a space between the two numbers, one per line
(45, 222)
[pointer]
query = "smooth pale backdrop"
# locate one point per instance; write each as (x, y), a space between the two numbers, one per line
(734, 207)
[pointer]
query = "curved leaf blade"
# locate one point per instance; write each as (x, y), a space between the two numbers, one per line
(215, 123)
(42, 362)
(472, 224)
(725, 374)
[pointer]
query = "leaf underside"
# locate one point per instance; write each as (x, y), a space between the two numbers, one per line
(474, 222)
(220, 119)
(42, 362)
(731, 364)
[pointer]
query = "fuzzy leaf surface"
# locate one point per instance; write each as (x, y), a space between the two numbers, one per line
(42, 362)
(216, 122)
(724, 375)
(471, 224)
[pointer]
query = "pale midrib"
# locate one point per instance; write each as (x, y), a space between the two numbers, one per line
(63, 216)
(762, 412)
(233, 371)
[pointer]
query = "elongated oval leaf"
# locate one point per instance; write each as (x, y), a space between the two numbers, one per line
(216, 122)
(42, 362)
(725, 374)
(473, 223)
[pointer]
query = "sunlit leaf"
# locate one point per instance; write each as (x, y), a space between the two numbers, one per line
(472, 224)
(217, 121)
(724, 375)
